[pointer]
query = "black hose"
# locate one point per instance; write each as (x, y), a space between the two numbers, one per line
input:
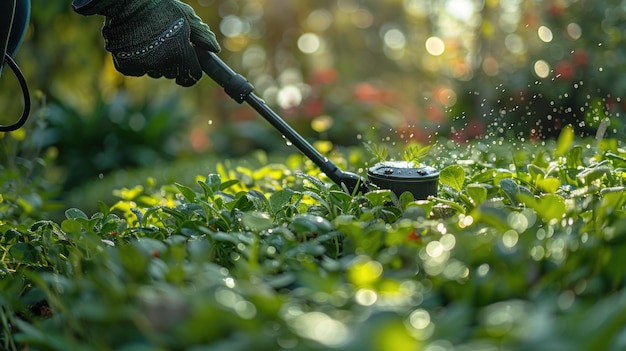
(20, 78)
(240, 90)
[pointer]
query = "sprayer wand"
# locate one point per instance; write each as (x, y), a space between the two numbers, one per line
(240, 90)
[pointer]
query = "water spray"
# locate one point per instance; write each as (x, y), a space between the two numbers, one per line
(396, 176)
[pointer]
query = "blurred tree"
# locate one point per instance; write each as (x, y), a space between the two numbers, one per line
(557, 64)
(358, 70)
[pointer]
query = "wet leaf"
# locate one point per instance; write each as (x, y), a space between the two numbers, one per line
(453, 176)
(536, 171)
(187, 193)
(510, 189)
(71, 226)
(280, 199)
(306, 223)
(548, 185)
(257, 221)
(477, 192)
(588, 175)
(574, 157)
(549, 207)
(564, 141)
(228, 184)
(74, 213)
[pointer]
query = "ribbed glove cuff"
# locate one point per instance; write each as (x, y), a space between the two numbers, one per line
(112, 8)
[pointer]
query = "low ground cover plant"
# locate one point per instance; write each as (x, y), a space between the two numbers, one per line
(522, 249)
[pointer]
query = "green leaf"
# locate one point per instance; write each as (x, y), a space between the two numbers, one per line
(565, 140)
(536, 171)
(280, 199)
(510, 189)
(318, 184)
(214, 182)
(552, 207)
(24, 252)
(493, 216)
(379, 197)
(340, 198)
(617, 160)
(379, 152)
(187, 193)
(549, 207)
(74, 213)
(548, 185)
(406, 198)
(37, 338)
(453, 176)
(307, 223)
(244, 202)
(574, 157)
(150, 246)
(257, 221)
(229, 183)
(455, 206)
(491, 176)
(425, 205)
(414, 153)
(477, 192)
(208, 192)
(71, 226)
(588, 175)
(309, 247)
(10, 236)
(104, 208)
(613, 198)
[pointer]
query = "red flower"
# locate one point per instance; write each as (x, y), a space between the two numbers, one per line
(367, 92)
(475, 128)
(323, 76)
(434, 113)
(314, 107)
(414, 237)
(199, 140)
(564, 70)
(557, 8)
(580, 57)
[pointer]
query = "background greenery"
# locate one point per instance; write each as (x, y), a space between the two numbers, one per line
(347, 71)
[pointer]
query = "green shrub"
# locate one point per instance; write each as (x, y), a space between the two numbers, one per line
(113, 135)
(27, 190)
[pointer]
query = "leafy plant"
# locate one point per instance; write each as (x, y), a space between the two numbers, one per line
(415, 153)
(522, 252)
(114, 134)
(27, 191)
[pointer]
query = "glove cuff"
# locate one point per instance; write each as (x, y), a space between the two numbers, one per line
(111, 8)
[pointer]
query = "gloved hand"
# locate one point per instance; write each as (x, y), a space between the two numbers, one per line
(154, 37)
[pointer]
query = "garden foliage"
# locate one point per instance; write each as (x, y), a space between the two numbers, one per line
(522, 249)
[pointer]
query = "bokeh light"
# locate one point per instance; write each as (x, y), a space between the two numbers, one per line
(545, 34)
(309, 43)
(542, 69)
(435, 46)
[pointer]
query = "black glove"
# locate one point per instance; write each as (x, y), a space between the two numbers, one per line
(154, 37)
